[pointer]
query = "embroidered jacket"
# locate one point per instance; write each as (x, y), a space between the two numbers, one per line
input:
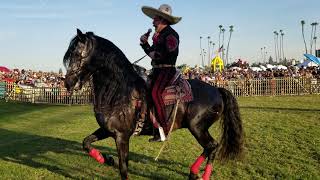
(165, 47)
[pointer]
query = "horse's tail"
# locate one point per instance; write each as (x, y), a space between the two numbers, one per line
(231, 143)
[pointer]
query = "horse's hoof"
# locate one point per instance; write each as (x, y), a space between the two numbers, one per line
(194, 176)
(108, 160)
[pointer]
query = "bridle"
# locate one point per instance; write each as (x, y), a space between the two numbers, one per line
(81, 58)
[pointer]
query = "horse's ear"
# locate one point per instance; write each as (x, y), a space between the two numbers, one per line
(80, 35)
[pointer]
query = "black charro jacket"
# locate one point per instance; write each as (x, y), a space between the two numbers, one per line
(165, 47)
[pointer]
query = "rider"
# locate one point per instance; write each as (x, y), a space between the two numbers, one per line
(163, 52)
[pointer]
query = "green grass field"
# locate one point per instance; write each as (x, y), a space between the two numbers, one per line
(45, 142)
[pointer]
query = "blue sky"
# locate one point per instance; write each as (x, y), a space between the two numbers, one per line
(35, 34)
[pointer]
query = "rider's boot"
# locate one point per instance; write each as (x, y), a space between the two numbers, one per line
(158, 135)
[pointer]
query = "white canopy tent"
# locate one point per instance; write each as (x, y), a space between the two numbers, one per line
(270, 66)
(256, 69)
(263, 67)
(280, 67)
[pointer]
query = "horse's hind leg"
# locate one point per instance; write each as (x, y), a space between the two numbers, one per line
(98, 135)
(210, 148)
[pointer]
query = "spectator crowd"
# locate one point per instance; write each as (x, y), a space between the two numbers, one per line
(33, 78)
(52, 79)
(237, 73)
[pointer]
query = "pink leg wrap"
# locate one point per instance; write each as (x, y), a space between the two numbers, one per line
(207, 172)
(196, 165)
(96, 155)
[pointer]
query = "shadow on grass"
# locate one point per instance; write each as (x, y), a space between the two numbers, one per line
(13, 109)
(32, 150)
(280, 109)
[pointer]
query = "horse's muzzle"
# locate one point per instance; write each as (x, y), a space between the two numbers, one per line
(77, 86)
(72, 82)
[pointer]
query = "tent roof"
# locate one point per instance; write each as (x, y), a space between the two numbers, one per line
(312, 58)
(4, 69)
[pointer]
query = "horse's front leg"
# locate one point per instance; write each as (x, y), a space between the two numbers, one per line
(98, 135)
(122, 142)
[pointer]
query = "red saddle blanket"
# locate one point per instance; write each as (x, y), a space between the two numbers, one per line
(179, 88)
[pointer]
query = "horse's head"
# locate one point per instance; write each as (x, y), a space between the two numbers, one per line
(77, 60)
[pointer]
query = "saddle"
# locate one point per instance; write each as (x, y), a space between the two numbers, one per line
(178, 88)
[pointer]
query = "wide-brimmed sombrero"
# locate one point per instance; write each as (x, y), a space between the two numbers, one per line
(164, 11)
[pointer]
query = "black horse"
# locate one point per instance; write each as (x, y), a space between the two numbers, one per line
(118, 89)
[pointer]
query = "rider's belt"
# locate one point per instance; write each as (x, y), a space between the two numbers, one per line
(163, 66)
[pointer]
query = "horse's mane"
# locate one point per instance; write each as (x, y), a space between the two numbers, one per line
(120, 76)
(71, 48)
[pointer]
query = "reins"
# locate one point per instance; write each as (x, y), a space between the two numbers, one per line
(139, 59)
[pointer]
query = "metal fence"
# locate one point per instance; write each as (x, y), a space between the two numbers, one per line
(250, 87)
(47, 95)
(272, 87)
(2, 89)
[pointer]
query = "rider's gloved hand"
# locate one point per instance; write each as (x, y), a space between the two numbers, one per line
(144, 38)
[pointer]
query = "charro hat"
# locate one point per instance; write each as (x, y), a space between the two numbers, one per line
(164, 11)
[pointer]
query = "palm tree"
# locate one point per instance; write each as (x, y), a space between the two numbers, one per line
(201, 52)
(280, 45)
(212, 47)
(211, 53)
(220, 30)
(230, 31)
(315, 44)
(265, 56)
(304, 39)
(275, 45)
(204, 54)
(208, 50)
(223, 30)
(314, 35)
(282, 34)
(311, 40)
(261, 54)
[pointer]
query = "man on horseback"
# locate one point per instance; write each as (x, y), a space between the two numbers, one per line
(163, 52)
